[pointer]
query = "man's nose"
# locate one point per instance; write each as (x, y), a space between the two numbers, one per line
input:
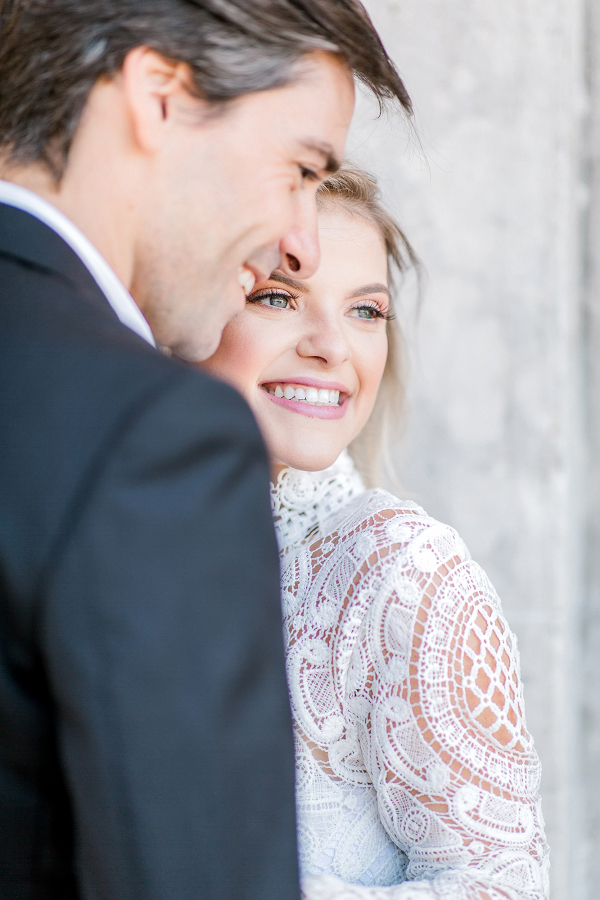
(300, 252)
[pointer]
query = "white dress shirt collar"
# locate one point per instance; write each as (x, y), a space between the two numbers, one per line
(113, 289)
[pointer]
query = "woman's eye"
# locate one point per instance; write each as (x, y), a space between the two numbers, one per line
(368, 312)
(275, 299)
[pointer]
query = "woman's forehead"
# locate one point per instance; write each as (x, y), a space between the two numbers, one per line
(351, 247)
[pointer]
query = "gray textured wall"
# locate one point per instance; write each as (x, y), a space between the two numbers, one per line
(504, 426)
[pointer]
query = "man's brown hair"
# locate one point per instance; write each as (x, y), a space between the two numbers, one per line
(53, 51)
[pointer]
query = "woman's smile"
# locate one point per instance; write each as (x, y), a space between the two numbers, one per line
(309, 397)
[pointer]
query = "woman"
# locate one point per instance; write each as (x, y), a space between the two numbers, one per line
(416, 776)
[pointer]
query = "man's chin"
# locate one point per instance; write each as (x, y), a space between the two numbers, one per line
(196, 339)
(196, 350)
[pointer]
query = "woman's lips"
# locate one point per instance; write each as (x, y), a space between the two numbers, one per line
(307, 399)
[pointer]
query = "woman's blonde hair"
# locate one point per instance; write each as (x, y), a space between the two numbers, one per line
(357, 191)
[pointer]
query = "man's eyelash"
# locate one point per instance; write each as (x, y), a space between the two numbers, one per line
(309, 174)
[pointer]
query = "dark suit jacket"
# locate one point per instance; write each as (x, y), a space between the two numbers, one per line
(145, 738)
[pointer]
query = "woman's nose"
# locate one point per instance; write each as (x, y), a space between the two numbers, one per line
(300, 252)
(325, 340)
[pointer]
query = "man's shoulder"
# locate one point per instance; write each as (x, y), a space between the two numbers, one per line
(58, 327)
(74, 382)
(66, 385)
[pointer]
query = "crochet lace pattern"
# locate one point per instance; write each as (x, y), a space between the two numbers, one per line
(416, 775)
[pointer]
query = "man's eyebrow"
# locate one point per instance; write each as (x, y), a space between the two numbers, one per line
(376, 288)
(291, 282)
(332, 163)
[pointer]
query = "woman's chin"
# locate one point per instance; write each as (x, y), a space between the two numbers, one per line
(306, 461)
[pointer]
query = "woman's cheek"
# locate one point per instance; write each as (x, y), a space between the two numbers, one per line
(370, 376)
(238, 357)
(373, 368)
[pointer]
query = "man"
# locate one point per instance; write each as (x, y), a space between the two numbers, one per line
(158, 157)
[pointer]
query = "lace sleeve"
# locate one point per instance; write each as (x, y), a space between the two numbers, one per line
(435, 696)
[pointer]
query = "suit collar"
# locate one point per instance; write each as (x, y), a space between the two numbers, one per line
(37, 232)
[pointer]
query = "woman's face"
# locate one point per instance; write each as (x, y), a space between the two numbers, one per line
(308, 356)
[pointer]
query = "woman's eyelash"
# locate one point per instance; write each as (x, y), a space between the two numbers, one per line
(270, 292)
(379, 313)
(277, 293)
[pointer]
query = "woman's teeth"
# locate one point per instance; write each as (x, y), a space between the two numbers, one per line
(316, 396)
(247, 279)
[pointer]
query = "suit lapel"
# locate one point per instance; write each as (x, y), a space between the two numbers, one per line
(35, 244)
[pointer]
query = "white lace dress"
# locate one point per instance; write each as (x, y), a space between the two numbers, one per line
(416, 775)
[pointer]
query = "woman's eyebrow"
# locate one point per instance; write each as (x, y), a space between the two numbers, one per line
(291, 282)
(376, 288)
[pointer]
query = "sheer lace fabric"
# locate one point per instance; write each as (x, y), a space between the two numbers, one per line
(416, 775)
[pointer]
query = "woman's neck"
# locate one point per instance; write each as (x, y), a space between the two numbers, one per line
(276, 467)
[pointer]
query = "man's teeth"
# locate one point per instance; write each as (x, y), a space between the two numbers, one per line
(247, 279)
(316, 396)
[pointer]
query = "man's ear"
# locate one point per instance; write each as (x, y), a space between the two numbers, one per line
(155, 90)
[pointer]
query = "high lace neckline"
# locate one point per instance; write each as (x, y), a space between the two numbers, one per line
(301, 501)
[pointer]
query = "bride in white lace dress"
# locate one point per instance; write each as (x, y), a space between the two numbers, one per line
(416, 775)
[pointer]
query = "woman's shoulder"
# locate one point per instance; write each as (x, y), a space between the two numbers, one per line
(390, 524)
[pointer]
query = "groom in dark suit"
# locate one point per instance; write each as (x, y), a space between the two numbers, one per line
(157, 158)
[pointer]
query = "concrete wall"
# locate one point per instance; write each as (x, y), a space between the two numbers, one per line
(591, 328)
(503, 206)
